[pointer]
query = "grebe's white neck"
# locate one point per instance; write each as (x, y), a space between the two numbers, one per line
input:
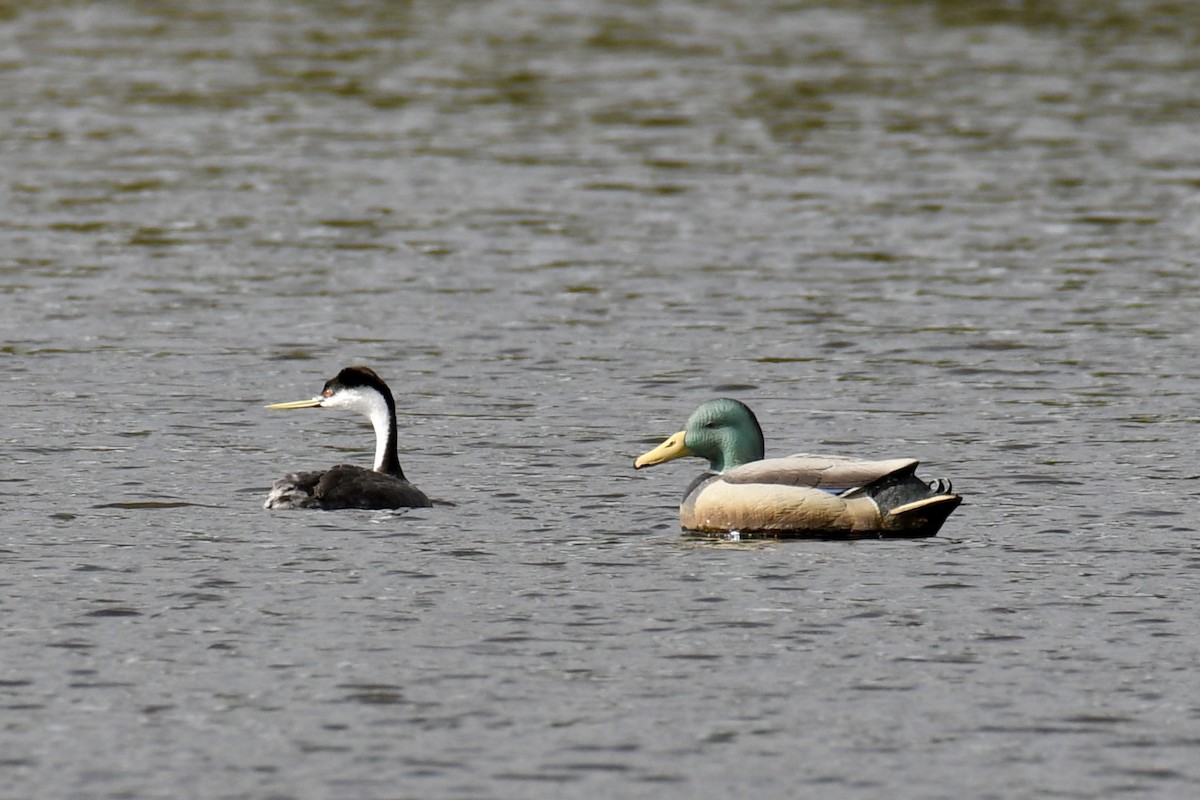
(372, 404)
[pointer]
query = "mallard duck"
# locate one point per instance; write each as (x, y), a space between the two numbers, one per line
(345, 486)
(800, 495)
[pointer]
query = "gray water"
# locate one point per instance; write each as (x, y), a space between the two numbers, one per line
(962, 232)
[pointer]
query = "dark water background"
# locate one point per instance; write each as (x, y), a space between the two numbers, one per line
(960, 231)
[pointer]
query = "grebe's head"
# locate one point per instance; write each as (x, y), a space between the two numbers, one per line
(354, 388)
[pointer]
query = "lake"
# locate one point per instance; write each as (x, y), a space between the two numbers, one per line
(960, 232)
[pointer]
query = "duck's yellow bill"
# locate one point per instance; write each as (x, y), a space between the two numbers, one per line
(316, 401)
(669, 450)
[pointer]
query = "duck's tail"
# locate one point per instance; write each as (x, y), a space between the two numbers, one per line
(922, 517)
(909, 505)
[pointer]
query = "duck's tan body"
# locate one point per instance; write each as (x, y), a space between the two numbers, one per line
(718, 506)
(785, 497)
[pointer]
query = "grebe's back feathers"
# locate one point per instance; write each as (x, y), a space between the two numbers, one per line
(344, 486)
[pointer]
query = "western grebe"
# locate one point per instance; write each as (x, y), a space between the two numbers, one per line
(345, 486)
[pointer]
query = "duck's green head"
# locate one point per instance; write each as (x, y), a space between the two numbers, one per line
(723, 431)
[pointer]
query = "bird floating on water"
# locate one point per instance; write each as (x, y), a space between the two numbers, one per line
(800, 495)
(344, 486)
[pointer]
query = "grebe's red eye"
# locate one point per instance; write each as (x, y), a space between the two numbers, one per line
(327, 393)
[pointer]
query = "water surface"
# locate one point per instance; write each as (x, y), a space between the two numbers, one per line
(953, 231)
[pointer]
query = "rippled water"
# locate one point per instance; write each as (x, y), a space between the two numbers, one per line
(958, 231)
